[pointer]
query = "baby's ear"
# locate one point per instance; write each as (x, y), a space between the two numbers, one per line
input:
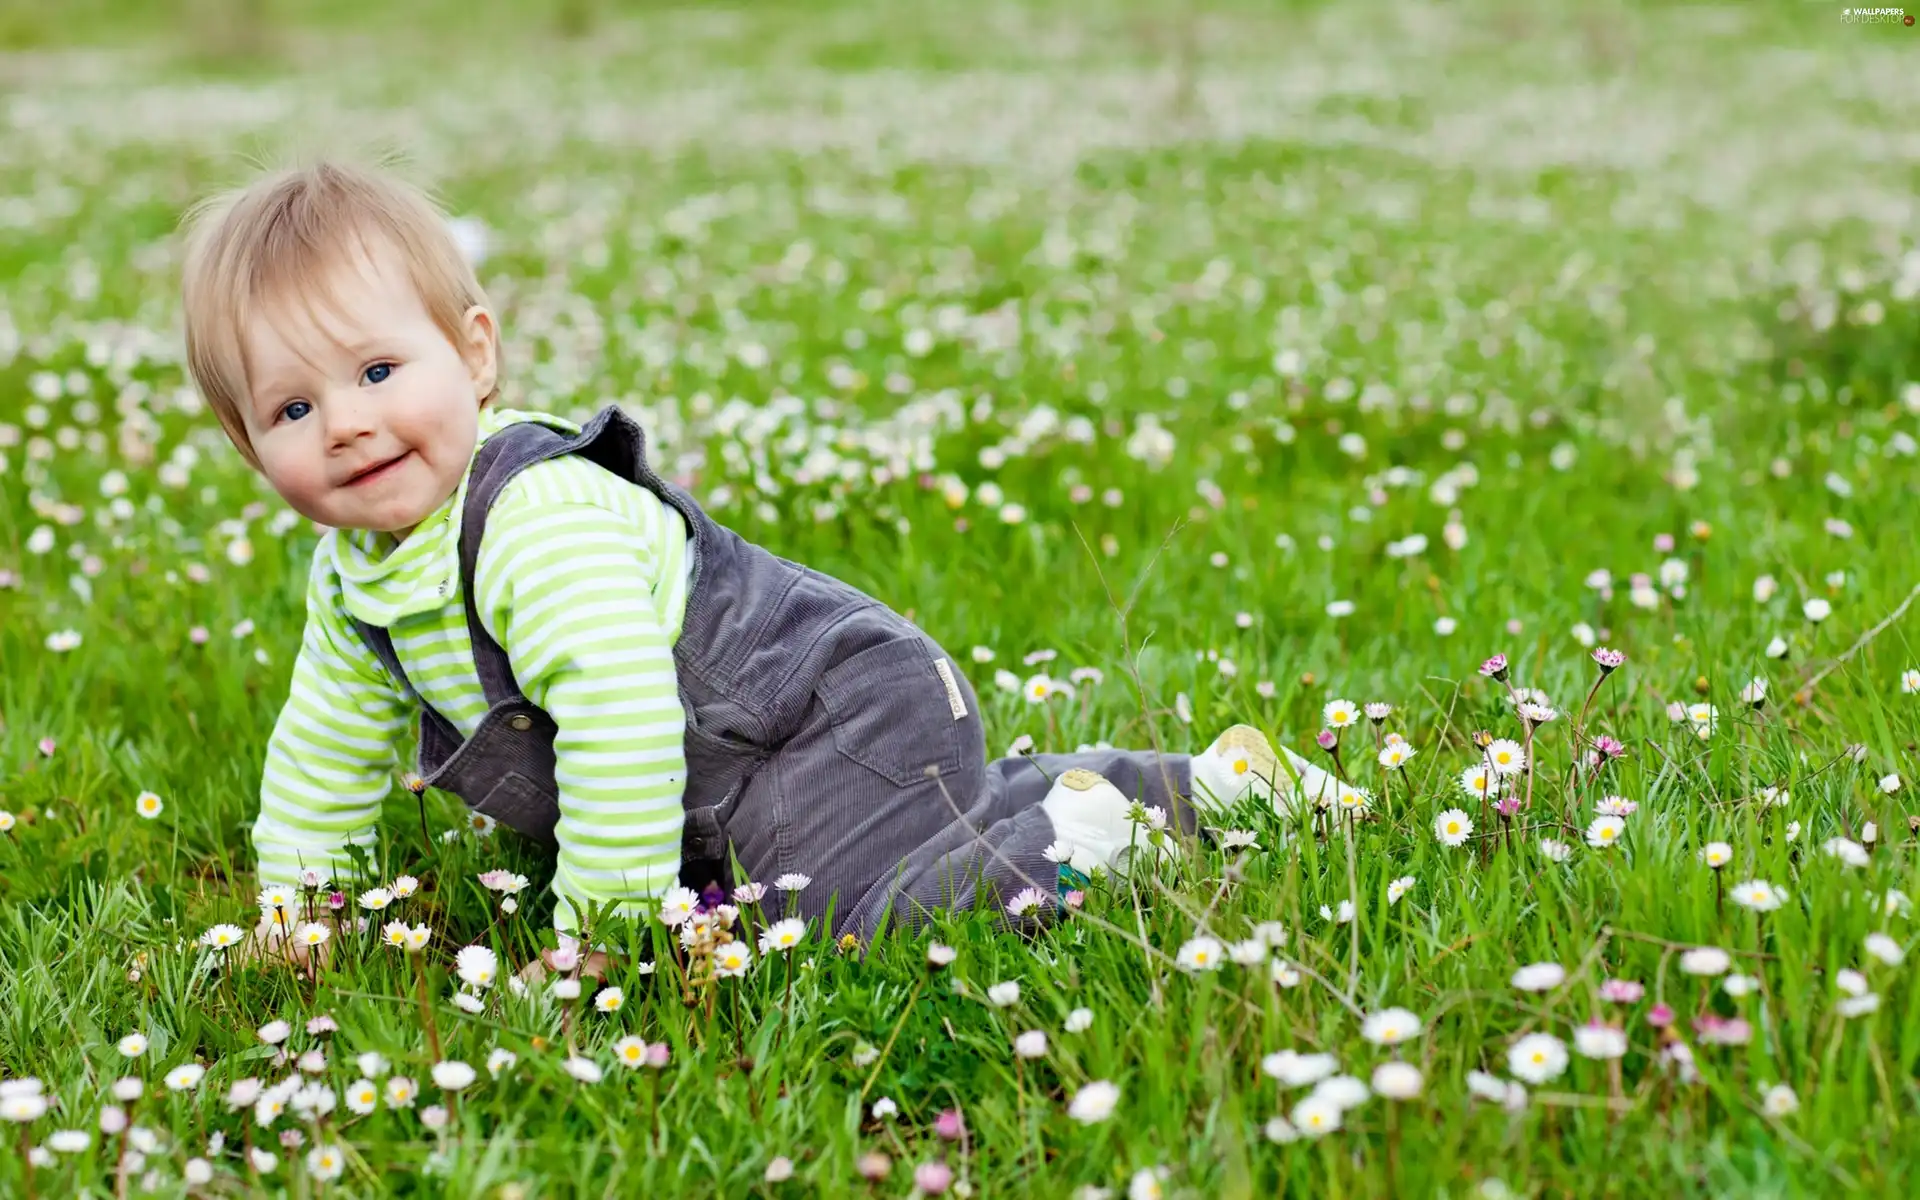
(481, 349)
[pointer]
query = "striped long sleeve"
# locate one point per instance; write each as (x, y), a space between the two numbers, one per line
(567, 588)
(330, 760)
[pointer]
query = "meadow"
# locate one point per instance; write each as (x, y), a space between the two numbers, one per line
(1547, 375)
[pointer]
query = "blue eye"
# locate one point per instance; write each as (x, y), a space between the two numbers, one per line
(377, 373)
(291, 415)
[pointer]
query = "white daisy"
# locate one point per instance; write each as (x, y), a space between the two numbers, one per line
(1391, 1026)
(782, 936)
(1027, 901)
(1538, 1058)
(1605, 831)
(1539, 977)
(1452, 827)
(1758, 895)
(1316, 1116)
(1506, 756)
(1201, 954)
(1094, 1102)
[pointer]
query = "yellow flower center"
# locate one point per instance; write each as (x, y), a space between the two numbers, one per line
(1239, 766)
(1453, 827)
(1539, 1058)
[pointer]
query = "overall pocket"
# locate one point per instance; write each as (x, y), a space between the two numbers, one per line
(522, 806)
(890, 711)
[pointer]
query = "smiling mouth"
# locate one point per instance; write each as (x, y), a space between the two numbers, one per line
(376, 471)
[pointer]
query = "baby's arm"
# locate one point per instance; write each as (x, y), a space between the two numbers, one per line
(565, 588)
(330, 759)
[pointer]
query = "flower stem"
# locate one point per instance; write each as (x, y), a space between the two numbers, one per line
(1526, 751)
(739, 1031)
(1579, 744)
(786, 998)
(882, 1060)
(1020, 1096)
(26, 1159)
(1386, 777)
(1393, 1148)
(1353, 926)
(653, 1107)
(120, 1160)
(426, 838)
(426, 1009)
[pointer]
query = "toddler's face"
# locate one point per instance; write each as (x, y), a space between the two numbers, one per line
(364, 415)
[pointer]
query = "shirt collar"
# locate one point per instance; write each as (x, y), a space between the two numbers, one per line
(381, 581)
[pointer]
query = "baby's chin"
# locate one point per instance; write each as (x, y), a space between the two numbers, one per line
(396, 521)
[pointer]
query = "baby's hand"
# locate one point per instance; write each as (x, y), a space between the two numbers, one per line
(594, 966)
(276, 939)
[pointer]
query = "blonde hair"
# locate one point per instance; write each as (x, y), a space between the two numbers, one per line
(284, 237)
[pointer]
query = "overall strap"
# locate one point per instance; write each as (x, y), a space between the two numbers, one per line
(505, 454)
(610, 439)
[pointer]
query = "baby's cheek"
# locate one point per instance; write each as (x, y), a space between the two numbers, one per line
(298, 484)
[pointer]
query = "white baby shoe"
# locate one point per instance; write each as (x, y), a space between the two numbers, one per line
(1090, 823)
(1242, 762)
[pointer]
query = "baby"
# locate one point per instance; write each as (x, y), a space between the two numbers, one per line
(594, 661)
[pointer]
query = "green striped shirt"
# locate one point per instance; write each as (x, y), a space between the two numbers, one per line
(582, 579)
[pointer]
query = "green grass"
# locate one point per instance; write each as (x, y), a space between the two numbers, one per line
(1582, 249)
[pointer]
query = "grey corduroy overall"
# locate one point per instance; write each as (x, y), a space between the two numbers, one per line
(825, 732)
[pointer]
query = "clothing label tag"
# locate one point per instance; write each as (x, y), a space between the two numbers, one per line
(954, 700)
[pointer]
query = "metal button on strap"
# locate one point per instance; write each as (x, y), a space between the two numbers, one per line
(521, 721)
